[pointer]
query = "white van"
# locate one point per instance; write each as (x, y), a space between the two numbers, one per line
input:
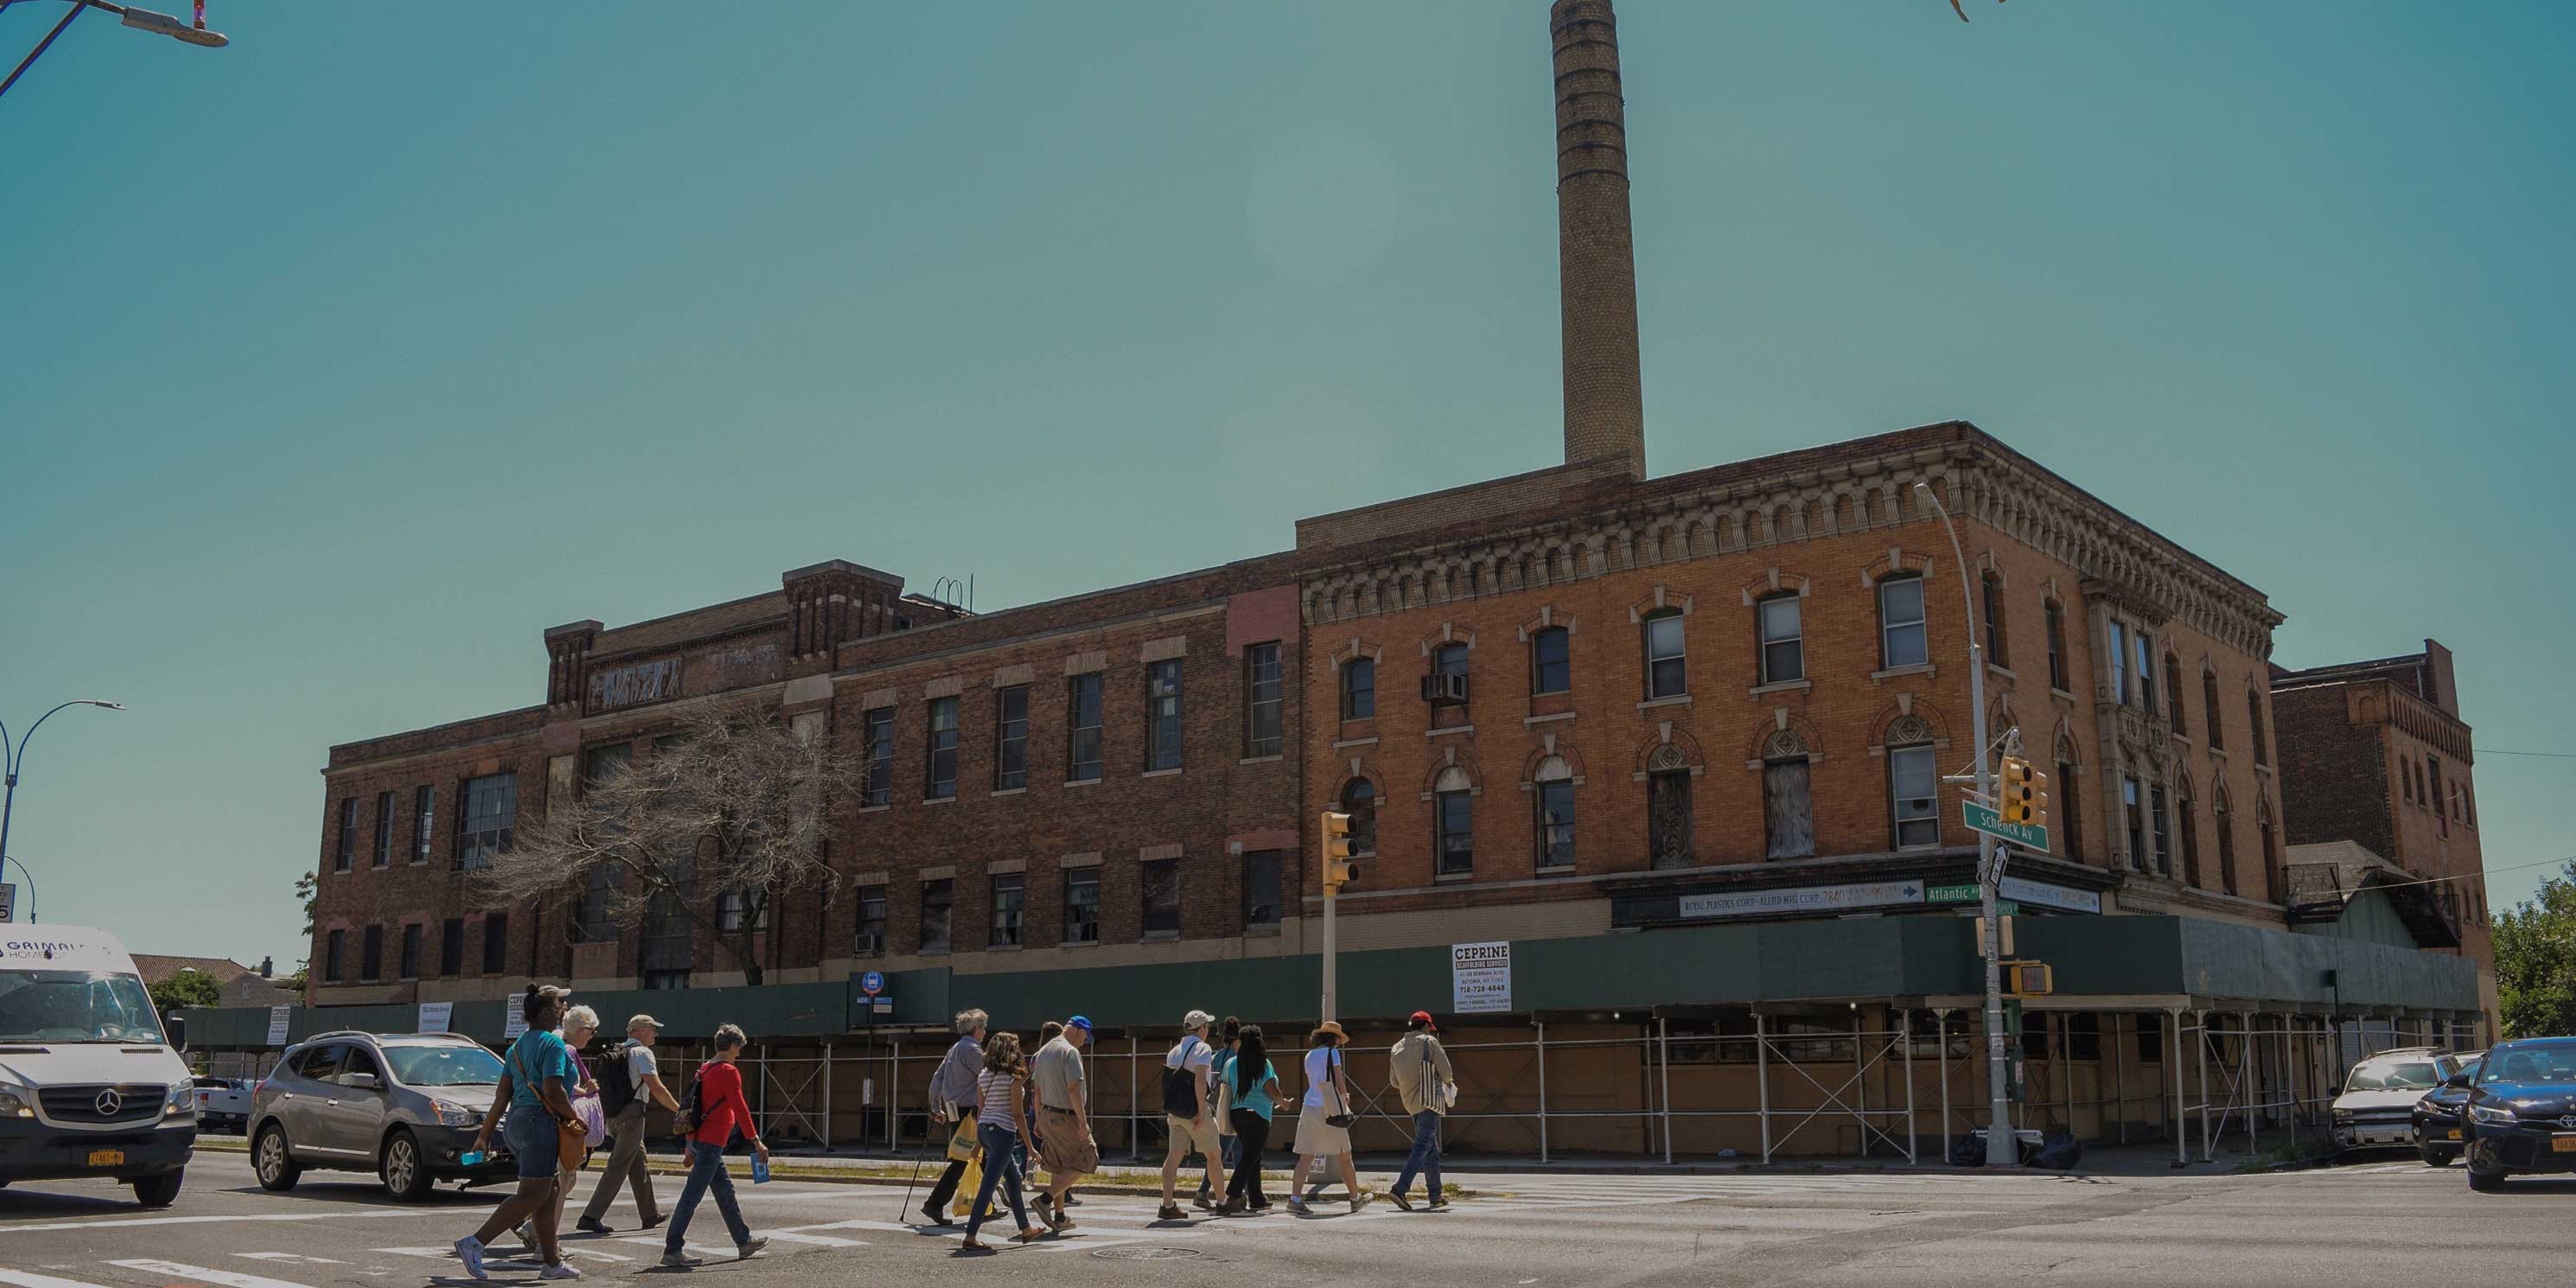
(90, 1085)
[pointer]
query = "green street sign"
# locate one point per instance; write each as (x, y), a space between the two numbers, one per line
(1984, 818)
(1966, 892)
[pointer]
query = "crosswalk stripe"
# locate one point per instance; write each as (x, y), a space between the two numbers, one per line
(818, 1240)
(221, 1278)
(26, 1279)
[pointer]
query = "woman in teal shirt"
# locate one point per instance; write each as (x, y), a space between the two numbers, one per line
(536, 1074)
(1253, 1083)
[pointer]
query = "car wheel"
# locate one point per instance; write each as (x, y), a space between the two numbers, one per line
(400, 1167)
(2485, 1182)
(270, 1160)
(2433, 1156)
(158, 1191)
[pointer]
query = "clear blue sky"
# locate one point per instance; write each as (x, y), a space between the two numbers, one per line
(336, 365)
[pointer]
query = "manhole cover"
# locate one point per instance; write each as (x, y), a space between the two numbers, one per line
(1131, 1253)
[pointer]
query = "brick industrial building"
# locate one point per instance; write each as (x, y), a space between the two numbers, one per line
(1678, 741)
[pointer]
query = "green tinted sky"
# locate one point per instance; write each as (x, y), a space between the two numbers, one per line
(336, 365)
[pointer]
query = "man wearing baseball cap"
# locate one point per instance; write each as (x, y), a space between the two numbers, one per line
(1064, 1119)
(1189, 1111)
(643, 1089)
(1422, 1077)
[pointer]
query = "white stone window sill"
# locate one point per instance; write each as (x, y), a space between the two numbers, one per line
(1261, 932)
(1262, 760)
(1082, 943)
(1919, 668)
(1082, 782)
(2056, 692)
(1676, 700)
(875, 809)
(1558, 715)
(1010, 791)
(2003, 671)
(1453, 729)
(938, 800)
(1159, 937)
(1781, 686)
(1563, 870)
(1160, 773)
(1453, 878)
(1355, 742)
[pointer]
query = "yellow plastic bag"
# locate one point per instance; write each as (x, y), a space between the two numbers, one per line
(968, 1186)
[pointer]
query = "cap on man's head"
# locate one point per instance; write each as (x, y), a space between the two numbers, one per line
(1196, 1020)
(1423, 1018)
(642, 1022)
(1079, 1022)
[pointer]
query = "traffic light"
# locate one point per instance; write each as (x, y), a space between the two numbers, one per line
(1334, 830)
(2024, 798)
(2028, 979)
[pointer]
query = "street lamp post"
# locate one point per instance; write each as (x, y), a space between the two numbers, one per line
(138, 19)
(11, 761)
(2000, 1148)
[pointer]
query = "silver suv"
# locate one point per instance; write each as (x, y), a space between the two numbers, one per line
(404, 1106)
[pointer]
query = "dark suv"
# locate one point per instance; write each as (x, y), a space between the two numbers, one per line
(2522, 1111)
(2438, 1128)
(404, 1106)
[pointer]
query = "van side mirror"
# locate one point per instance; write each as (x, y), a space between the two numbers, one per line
(178, 1026)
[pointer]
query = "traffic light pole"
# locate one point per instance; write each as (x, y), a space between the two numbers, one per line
(2000, 1148)
(1332, 961)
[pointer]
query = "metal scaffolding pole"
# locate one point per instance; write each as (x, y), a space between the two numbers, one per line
(2245, 1071)
(1941, 1030)
(2200, 1025)
(1135, 1145)
(1762, 1072)
(894, 1095)
(2179, 1126)
(827, 1095)
(1905, 1034)
(1860, 1081)
(1542, 1090)
(1664, 1059)
(2120, 1048)
(763, 1107)
(2066, 1068)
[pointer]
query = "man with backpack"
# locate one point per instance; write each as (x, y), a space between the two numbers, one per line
(1189, 1110)
(630, 1084)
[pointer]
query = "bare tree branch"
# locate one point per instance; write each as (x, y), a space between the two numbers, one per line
(737, 802)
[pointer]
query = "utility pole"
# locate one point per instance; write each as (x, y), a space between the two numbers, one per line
(2000, 1148)
(1333, 847)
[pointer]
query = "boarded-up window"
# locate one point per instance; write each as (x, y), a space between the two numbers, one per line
(1788, 814)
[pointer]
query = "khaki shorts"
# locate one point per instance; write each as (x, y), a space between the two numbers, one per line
(1064, 1147)
(1187, 1139)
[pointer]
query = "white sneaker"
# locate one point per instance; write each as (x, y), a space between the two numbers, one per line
(559, 1270)
(750, 1247)
(681, 1261)
(470, 1250)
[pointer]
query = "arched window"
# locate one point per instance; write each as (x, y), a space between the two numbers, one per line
(2189, 824)
(2225, 818)
(1359, 688)
(1668, 808)
(1552, 793)
(1782, 638)
(1551, 660)
(1665, 674)
(1359, 800)
(1913, 786)
(2146, 671)
(2074, 802)
(2173, 691)
(2406, 779)
(1453, 823)
(1788, 813)
(1997, 651)
(2254, 721)
(2271, 847)
(1901, 640)
(2209, 704)
(2056, 644)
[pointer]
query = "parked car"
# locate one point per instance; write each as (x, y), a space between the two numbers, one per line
(2522, 1111)
(2377, 1107)
(223, 1104)
(404, 1106)
(2437, 1115)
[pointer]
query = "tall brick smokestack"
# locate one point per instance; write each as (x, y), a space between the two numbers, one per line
(1605, 411)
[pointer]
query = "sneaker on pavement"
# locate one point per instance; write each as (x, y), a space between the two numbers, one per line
(1402, 1204)
(470, 1250)
(559, 1270)
(1437, 1205)
(593, 1225)
(1169, 1212)
(680, 1261)
(1203, 1202)
(1297, 1205)
(750, 1247)
(1362, 1199)
(1056, 1220)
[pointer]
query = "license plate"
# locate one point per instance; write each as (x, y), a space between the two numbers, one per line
(107, 1158)
(2454, 1133)
(2562, 1144)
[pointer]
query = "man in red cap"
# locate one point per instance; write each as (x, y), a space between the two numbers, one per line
(1422, 1077)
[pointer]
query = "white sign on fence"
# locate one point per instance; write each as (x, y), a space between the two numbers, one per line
(1802, 899)
(277, 1018)
(1480, 977)
(434, 1016)
(514, 1022)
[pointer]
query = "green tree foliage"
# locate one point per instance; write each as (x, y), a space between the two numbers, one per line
(2535, 946)
(187, 988)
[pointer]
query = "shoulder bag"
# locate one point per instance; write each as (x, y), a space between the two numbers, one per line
(1333, 1088)
(572, 1136)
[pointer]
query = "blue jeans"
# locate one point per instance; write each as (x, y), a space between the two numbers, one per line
(1001, 1167)
(706, 1172)
(1425, 1157)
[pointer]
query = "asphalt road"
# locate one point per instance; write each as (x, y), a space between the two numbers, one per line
(2385, 1223)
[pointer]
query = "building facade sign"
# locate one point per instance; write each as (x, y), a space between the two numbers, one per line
(1799, 899)
(1480, 978)
(626, 686)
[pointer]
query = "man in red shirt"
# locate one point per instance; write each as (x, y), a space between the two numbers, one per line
(721, 1111)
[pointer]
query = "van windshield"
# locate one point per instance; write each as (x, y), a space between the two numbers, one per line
(75, 1006)
(2414, 1075)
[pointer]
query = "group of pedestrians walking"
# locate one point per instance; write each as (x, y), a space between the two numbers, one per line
(1004, 1106)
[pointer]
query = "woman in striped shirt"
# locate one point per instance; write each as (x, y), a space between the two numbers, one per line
(1001, 1123)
